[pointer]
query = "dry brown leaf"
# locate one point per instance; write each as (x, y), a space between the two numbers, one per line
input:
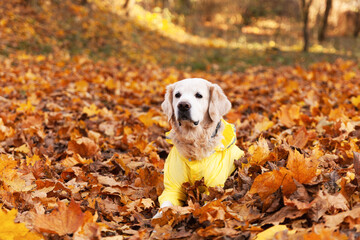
(267, 183)
(300, 138)
(63, 220)
(83, 146)
(288, 114)
(303, 169)
(260, 153)
(333, 221)
(285, 212)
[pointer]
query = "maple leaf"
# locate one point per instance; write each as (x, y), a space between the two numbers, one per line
(9, 174)
(288, 114)
(288, 184)
(63, 220)
(11, 230)
(267, 183)
(303, 169)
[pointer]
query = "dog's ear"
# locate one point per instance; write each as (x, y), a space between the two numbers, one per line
(166, 106)
(219, 104)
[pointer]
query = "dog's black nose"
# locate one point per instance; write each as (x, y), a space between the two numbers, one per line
(184, 106)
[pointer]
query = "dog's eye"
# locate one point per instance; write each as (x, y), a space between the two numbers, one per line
(177, 95)
(198, 95)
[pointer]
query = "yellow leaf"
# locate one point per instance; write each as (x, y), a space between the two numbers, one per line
(260, 152)
(127, 130)
(146, 119)
(74, 160)
(31, 161)
(40, 58)
(270, 232)
(291, 86)
(81, 86)
(92, 110)
(110, 84)
(11, 231)
(9, 175)
(23, 149)
(26, 107)
(355, 101)
(349, 75)
(264, 125)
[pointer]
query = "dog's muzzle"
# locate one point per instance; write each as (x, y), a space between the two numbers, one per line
(184, 112)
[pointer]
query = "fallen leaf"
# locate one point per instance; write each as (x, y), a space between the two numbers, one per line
(11, 230)
(267, 183)
(84, 146)
(303, 169)
(270, 232)
(63, 220)
(288, 114)
(357, 163)
(260, 153)
(300, 138)
(333, 221)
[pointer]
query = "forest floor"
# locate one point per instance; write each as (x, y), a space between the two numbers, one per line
(82, 143)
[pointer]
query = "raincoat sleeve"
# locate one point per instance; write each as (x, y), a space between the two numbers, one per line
(174, 176)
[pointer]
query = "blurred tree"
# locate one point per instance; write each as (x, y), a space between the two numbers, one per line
(324, 22)
(357, 19)
(127, 6)
(305, 6)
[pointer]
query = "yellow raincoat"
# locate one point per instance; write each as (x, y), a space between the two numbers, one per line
(215, 169)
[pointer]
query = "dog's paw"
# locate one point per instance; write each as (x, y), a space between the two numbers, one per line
(160, 213)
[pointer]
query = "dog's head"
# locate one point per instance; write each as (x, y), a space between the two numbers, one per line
(191, 100)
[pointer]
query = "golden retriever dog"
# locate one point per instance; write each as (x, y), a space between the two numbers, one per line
(204, 143)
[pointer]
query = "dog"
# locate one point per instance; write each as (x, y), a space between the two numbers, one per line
(204, 143)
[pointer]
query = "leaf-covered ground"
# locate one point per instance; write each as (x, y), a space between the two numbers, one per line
(82, 143)
(82, 151)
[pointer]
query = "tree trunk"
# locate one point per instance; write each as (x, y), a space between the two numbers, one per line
(321, 36)
(357, 24)
(127, 6)
(305, 6)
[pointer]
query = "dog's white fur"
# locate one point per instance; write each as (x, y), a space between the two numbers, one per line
(195, 141)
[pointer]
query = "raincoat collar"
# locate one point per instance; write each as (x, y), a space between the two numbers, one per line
(229, 136)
